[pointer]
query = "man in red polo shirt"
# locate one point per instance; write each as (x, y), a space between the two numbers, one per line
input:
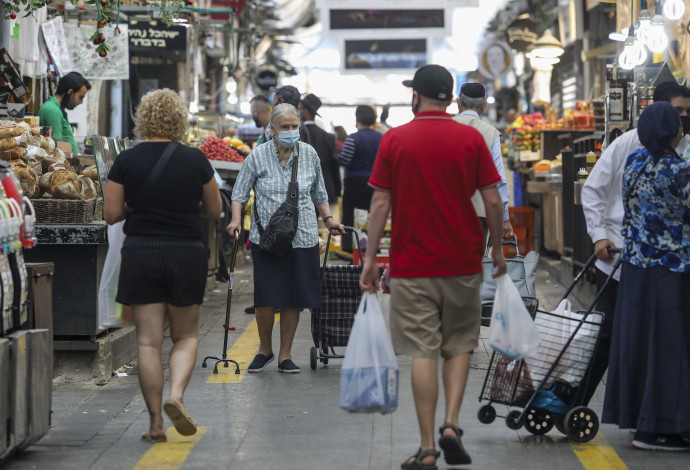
(427, 171)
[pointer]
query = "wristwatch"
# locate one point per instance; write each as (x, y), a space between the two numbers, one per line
(326, 218)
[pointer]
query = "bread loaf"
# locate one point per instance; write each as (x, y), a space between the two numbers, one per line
(64, 184)
(27, 179)
(51, 158)
(34, 165)
(88, 187)
(7, 132)
(91, 172)
(6, 144)
(44, 183)
(14, 153)
(48, 144)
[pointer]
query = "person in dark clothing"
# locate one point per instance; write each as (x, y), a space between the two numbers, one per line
(358, 155)
(290, 95)
(324, 144)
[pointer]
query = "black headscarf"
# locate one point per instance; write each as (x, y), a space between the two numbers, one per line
(657, 126)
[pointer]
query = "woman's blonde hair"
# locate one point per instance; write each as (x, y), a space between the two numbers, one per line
(162, 114)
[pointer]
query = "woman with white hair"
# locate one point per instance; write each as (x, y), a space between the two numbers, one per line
(291, 281)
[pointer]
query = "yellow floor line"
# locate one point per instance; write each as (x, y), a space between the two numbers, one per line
(598, 455)
(172, 454)
(242, 351)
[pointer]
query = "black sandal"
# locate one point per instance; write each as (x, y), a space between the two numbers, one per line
(453, 450)
(415, 462)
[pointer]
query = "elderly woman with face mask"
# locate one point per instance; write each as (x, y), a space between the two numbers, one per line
(649, 368)
(289, 282)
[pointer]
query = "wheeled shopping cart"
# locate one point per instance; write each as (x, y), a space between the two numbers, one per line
(547, 386)
(340, 297)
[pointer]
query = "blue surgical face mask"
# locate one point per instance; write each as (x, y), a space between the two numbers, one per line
(288, 138)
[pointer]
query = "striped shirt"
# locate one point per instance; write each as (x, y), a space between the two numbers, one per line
(359, 153)
(263, 172)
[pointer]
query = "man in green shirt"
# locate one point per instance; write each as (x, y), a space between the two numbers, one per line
(70, 93)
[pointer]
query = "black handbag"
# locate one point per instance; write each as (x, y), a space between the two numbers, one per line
(276, 238)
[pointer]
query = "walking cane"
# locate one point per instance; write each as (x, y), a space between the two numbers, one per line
(224, 358)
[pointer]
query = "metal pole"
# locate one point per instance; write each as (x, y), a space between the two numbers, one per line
(5, 29)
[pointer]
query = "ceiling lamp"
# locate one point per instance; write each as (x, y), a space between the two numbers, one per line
(645, 19)
(674, 9)
(657, 41)
(547, 46)
(628, 58)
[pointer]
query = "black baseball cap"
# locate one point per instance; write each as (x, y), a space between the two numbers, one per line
(312, 103)
(432, 81)
(289, 94)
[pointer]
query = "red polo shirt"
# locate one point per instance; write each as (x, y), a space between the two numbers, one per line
(432, 166)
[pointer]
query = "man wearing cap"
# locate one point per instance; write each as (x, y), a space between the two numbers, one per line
(472, 103)
(324, 144)
(602, 204)
(427, 170)
(290, 95)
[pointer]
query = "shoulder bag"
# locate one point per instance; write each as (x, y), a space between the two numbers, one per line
(276, 238)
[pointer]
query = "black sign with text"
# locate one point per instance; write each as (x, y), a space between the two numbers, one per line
(155, 36)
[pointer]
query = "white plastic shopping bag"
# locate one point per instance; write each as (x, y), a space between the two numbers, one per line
(369, 376)
(556, 328)
(512, 331)
(110, 312)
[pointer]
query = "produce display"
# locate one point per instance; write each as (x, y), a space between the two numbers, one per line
(43, 169)
(525, 131)
(224, 150)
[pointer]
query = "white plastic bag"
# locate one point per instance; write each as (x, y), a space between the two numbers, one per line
(556, 328)
(369, 376)
(110, 312)
(512, 331)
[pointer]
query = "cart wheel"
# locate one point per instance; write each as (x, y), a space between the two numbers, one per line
(581, 424)
(513, 420)
(312, 357)
(538, 422)
(486, 414)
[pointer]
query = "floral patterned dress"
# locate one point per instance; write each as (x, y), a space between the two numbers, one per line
(656, 225)
(648, 382)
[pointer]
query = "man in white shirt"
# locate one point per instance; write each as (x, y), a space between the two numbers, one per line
(602, 203)
(472, 103)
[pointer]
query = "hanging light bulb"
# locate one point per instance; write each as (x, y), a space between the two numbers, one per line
(674, 9)
(231, 85)
(628, 59)
(657, 41)
(639, 52)
(645, 19)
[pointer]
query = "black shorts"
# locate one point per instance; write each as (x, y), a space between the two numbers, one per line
(155, 271)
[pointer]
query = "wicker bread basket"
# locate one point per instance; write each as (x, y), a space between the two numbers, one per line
(67, 211)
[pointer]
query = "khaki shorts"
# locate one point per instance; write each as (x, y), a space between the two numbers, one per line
(432, 315)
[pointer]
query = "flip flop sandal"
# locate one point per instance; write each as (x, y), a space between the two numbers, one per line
(453, 450)
(146, 436)
(415, 462)
(180, 418)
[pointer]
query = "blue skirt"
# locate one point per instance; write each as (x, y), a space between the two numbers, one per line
(648, 385)
(291, 281)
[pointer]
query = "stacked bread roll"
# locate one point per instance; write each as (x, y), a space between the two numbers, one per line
(43, 169)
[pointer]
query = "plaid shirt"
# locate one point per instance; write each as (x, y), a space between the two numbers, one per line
(263, 172)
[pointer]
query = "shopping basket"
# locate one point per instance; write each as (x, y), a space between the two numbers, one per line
(340, 297)
(537, 386)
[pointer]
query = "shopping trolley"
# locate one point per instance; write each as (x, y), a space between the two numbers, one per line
(340, 296)
(536, 385)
